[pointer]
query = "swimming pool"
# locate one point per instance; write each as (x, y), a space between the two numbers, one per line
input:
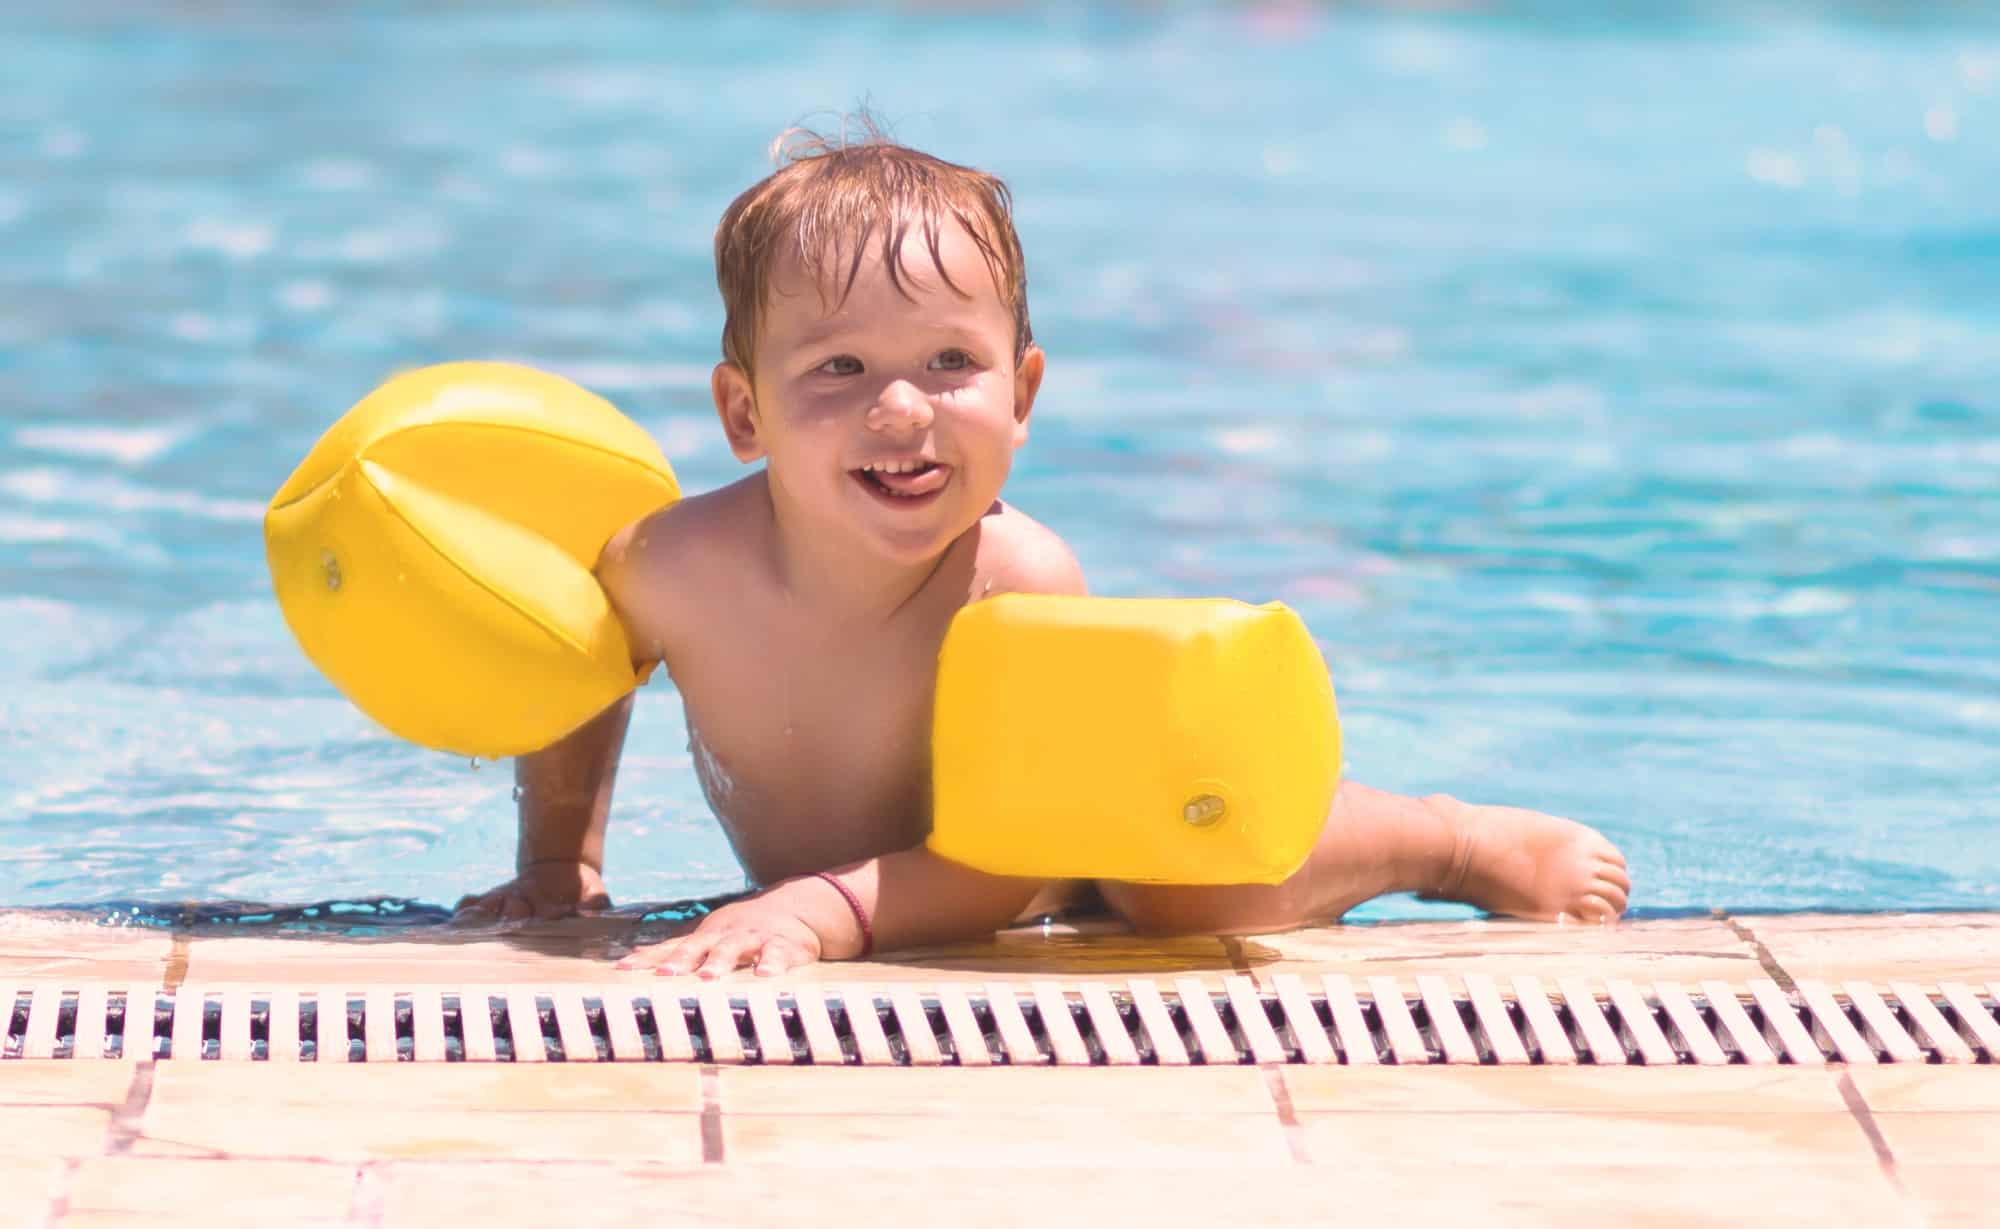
(1616, 401)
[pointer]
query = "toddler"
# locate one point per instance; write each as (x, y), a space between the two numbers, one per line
(877, 359)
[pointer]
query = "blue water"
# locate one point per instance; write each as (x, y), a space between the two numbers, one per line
(1619, 402)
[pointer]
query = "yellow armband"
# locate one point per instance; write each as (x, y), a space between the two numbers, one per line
(434, 554)
(1148, 740)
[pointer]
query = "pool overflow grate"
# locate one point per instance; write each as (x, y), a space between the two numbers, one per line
(1326, 1019)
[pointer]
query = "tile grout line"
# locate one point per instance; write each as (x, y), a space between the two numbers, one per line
(364, 1207)
(711, 1115)
(1772, 969)
(1850, 1093)
(59, 1191)
(1288, 1118)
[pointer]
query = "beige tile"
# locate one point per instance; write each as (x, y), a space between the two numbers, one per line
(1534, 1193)
(218, 1216)
(442, 957)
(52, 1131)
(1685, 950)
(979, 1196)
(1680, 1090)
(62, 1082)
(278, 1192)
(26, 1184)
(1900, 1088)
(1005, 1141)
(1600, 1137)
(1952, 1196)
(392, 1132)
(36, 945)
(432, 1086)
(1922, 948)
(998, 1090)
(1943, 1138)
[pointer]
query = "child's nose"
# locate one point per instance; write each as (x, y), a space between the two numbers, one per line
(900, 405)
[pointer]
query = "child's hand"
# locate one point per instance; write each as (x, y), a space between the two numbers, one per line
(761, 932)
(543, 891)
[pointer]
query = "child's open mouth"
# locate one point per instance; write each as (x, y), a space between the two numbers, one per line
(903, 483)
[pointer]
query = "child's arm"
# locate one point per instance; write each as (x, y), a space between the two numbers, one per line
(565, 798)
(910, 899)
(564, 790)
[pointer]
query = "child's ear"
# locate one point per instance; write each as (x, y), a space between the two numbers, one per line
(1027, 382)
(736, 405)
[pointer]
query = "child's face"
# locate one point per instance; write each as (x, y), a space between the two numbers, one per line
(892, 418)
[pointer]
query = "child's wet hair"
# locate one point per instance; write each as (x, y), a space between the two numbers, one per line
(830, 198)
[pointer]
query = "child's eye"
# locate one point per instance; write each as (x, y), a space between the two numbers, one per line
(841, 365)
(951, 360)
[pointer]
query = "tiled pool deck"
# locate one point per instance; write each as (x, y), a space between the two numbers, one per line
(213, 1142)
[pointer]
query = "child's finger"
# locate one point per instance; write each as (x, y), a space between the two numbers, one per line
(727, 953)
(779, 955)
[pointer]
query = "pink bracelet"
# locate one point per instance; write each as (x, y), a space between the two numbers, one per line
(854, 903)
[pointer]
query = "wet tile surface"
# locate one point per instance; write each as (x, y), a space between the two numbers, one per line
(1686, 950)
(1882, 947)
(1679, 1090)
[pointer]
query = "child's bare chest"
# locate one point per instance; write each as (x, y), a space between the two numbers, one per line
(812, 750)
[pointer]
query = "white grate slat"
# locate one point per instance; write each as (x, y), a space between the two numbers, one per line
(524, 1025)
(93, 1007)
(1899, 1045)
(427, 1043)
(866, 1027)
(236, 1044)
(1012, 1026)
(821, 1041)
(1736, 1022)
(1349, 1026)
(1793, 1039)
(670, 1018)
(1158, 1024)
(44, 1012)
(1701, 1043)
(378, 1024)
(1933, 1030)
(621, 1023)
(967, 1039)
(1251, 1021)
(1491, 1012)
(330, 1044)
(1314, 1047)
(1542, 1022)
(1058, 1027)
(767, 1022)
(475, 1022)
(1831, 1020)
(281, 1025)
(190, 1002)
(1405, 1042)
(1598, 1037)
(1118, 1048)
(1976, 1018)
(1446, 1022)
(1639, 1021)
(573, 1024)
(919, 1042)
(1217, 1050)
(725, 1045)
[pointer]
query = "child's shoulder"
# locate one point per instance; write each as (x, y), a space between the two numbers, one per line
(656, 570)
(1019, 554)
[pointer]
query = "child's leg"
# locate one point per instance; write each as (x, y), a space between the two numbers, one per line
(1502, 859)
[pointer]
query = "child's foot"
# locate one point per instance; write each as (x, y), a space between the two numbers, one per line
(1530, 865)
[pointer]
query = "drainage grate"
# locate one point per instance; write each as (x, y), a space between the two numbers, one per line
(1326, 1020)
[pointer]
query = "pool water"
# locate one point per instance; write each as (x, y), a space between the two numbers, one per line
(1619, 402)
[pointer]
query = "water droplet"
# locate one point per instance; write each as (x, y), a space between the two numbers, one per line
(475, 763)
(330, 566)
(518, 791)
